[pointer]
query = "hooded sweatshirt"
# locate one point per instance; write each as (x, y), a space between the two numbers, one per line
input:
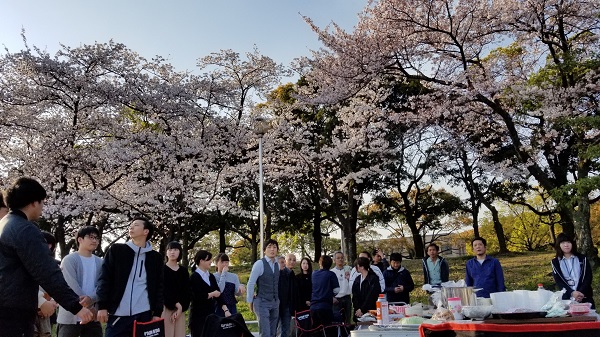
(131, 281)
(135, 300)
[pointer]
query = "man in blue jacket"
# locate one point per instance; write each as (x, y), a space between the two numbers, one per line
(484, 271)
(25, 263)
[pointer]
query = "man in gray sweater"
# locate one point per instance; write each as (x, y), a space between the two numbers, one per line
(81, 270)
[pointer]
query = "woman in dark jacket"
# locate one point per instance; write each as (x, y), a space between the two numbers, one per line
(176, 292)
(398, 281)
(572, 271)
(205, 293)
(304, 283)
(365, 289)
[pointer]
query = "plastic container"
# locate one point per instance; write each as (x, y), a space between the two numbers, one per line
(577, 309)
(455, 306)
(383, 313)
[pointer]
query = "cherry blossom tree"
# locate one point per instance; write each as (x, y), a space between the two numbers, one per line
(521, 69)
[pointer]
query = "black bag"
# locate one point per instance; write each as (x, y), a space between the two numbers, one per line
(149, 329)
(232, 326)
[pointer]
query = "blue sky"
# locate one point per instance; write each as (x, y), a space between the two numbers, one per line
(179, 30)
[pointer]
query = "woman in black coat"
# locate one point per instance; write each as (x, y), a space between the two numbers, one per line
(572, 271)
(205, 293)
(304, 283)
(176, 292)
(365, 289)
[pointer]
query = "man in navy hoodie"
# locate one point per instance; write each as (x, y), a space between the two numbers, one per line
(131, 282)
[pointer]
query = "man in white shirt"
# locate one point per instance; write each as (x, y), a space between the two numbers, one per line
(342, 303)
(81, 270)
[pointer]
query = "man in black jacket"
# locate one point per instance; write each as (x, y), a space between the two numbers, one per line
(131, 282)
(25, 263)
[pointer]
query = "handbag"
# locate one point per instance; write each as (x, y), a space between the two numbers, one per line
(154, 328)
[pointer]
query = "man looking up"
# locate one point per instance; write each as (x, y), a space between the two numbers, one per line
(131, 282)
(484, 271)
(25, 263)
(81, 270)
(265, 275)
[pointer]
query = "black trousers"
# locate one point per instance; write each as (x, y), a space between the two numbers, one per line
(16, 327)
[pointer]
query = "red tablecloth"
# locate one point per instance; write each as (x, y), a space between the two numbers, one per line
(450, 329)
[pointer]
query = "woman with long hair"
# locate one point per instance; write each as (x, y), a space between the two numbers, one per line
(365, 289)
(304, 282)
(229, 284)
(176, 291)
(205, 293)
(572, 271)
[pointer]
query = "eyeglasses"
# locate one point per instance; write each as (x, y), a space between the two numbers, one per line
(93, 237)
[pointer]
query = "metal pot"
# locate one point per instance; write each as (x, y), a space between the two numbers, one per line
(466, 294)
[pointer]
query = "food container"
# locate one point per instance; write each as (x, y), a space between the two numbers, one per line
(466, 294)
(576, 309)
(455, 306)
(484, 301)
(415, 310)
(503, 301)
(398, 308)
(477, 312)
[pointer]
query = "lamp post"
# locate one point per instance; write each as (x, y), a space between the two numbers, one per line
(260, 129)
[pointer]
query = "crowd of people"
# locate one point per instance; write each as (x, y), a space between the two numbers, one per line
(133, 282)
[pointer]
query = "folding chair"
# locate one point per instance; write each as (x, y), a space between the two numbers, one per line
(304, 324)
(339, 323)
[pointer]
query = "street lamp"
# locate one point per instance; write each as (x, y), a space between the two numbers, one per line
(260, 129)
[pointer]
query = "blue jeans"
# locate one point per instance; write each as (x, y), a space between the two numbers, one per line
(122, 326)
(267, 313)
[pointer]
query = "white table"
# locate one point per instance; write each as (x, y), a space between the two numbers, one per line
(389, 333)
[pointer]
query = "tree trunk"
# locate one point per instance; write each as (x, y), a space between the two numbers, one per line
(222, 241)
(417, 240)
(318, 239)
(475, 208)
(59, 234)
(349, 223)
(184, 244)
(581, 217)
(498, 228)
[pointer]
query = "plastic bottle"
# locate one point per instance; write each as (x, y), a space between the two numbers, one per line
(383, 316)
(540, 286)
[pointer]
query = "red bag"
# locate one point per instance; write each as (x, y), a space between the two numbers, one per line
(154, 328)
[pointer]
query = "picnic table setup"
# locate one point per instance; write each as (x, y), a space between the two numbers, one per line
(539, 313)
